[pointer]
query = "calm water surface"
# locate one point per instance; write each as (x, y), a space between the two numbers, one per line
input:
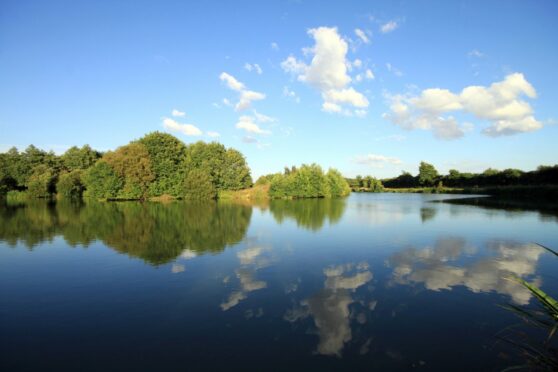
(385, 282)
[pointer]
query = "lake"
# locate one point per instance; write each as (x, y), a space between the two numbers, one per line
(386, 282)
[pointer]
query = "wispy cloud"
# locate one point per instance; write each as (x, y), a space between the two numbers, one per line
(389, 27)
(377, 161)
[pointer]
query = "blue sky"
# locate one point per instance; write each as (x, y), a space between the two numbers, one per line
(368, 87)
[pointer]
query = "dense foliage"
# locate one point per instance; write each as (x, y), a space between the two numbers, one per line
(367, 183)
(157, 164)
(428, 176)
(308, 181)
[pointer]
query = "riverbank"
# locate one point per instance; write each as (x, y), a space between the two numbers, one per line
(542, 192)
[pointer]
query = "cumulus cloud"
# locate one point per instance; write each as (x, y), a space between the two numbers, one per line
(362, 35)
(375, 160)
(328, 71)
(501, 104)
(231, 82)
(246, 96)
(187, 129)
(248, 124)
(389, 27)
(177, 113)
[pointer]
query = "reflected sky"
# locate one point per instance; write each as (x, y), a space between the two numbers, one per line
(374, 281)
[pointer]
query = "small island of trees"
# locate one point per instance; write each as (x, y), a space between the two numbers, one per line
(157, 166)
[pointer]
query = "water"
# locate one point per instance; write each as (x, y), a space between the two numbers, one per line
(386, 282)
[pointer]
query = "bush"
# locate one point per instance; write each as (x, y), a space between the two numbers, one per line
(308, 181)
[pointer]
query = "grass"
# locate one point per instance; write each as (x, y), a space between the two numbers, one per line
(258, 192)
(539, 355)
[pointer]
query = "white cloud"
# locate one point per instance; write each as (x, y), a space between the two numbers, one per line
(345, 96)
(375, 160)
(246, 96)
(261, 118)
(362, 36)
(369, 75)
(213, 134)
(501, 104)
(357, 63)
(389, 27)
(187, 129)
(253, 67)
(247, 123)
(274, 46)
(231, 82)
(327, 71)
(177, 113)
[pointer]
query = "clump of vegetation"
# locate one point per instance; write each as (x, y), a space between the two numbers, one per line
(365, 184)
(539, 354)
(428, 176)
(70, 184)
(198, 186)
(307, 181)
(157, 164)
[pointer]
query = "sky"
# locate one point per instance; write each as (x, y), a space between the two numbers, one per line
(367, 87)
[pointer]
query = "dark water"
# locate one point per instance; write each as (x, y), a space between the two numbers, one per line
(385, 282)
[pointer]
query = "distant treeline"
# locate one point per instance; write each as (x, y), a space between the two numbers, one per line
(306, 181)
(156, 165)
(428, 176)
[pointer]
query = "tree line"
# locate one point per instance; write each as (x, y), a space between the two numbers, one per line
(157, 164)
(306, 181)
(428, 176)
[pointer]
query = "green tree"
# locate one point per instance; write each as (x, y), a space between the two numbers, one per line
(338, 186)
(427, 174)
(70, 184)
(168, 156)
(360, 182)
(236, 174)
(132, 164)
(102, 182)
(41, 182)
(80, 158)
(198, 186)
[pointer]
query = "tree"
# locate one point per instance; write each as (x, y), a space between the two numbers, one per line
(41, 182)
(167, 155)
(235, 173)
(70, 185)
(338, 186)
(102, 182)
(197, 185)
(360, 182)
(80, 158)
(132, 164)
(427, 174)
